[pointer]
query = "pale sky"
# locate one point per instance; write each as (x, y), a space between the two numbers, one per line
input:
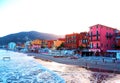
(57, 16)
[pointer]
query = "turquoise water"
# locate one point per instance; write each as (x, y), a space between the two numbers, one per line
(20, 68)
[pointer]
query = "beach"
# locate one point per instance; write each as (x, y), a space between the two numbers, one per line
(73, 73)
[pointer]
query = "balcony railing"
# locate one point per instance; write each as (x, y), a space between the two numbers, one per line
(109, 35)
(94, 35)
(95, 39)
(96, 47)
(118, 37)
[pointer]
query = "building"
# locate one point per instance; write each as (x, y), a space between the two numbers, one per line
(12, 46)
(50, 43)
(44, 44)
(55, 43)
(72, 41)
(117, 46)
(77, 40)
(83, 40)
(61, 39)
(102, 38)
(36, 44)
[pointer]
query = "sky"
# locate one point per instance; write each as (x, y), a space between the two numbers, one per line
(57, 16)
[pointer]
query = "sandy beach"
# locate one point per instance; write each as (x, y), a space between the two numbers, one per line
(77, 74)
(71, 73)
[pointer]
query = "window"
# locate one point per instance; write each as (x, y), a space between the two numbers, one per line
(97, 32)
(91, 34)
(84, 41)
(97, 45)
(74, 37)
(91, 45)
(107, 35)
(106, 45)
(101, 44)
(97, 37)
(74, 41)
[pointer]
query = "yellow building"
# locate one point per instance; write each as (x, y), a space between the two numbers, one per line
(36, 42)
(57, 43)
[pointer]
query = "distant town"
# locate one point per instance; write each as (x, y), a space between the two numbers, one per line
(95, 53)
(99, 39)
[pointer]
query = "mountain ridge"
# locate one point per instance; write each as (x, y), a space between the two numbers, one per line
(22, 37)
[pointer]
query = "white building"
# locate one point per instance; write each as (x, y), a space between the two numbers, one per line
(12, 46)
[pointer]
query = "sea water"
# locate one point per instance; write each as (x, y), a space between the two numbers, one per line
(20, 68)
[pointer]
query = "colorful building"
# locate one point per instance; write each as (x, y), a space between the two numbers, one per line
(61, 39)
(102, 38)
(55, 43)
(83, 40)
(12, 46)
(44, 44)
(76, 40)
(117, 46)
(50, 43)
(36, 43)
(72, 41)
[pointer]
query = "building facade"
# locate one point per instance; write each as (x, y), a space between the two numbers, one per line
(102, 38)
(83, 40)
(36, 43)
(50, 43)
(55, 43)
(72, 41)
(117, 46)
(76, 40)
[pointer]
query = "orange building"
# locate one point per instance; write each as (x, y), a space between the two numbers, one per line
(36, 43)
(44, 43)
(84, 39)
(50, 43)
(61, 39)
(72, 41)
(55, 43)
(75, 40)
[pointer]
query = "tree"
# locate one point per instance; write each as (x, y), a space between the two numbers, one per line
(61, 46)
(81, 47)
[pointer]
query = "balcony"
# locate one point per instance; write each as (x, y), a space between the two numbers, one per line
(96, 39)
(118, 37)
(109, 35)
(94, 35)
(96, 47)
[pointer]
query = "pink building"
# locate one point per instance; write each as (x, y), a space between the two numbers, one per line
(102, 38)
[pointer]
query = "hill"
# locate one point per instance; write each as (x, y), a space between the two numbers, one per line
(22, 37)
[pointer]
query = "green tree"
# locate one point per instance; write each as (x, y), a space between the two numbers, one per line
(81, 47)
(61, 46)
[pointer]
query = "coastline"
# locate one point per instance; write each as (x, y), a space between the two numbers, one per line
(85, 62)
(70, 73)
(74, 73)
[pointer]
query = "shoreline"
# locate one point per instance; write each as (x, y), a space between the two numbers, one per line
(91, 69)
(70, 73)
(77, 74)
(97, 66)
